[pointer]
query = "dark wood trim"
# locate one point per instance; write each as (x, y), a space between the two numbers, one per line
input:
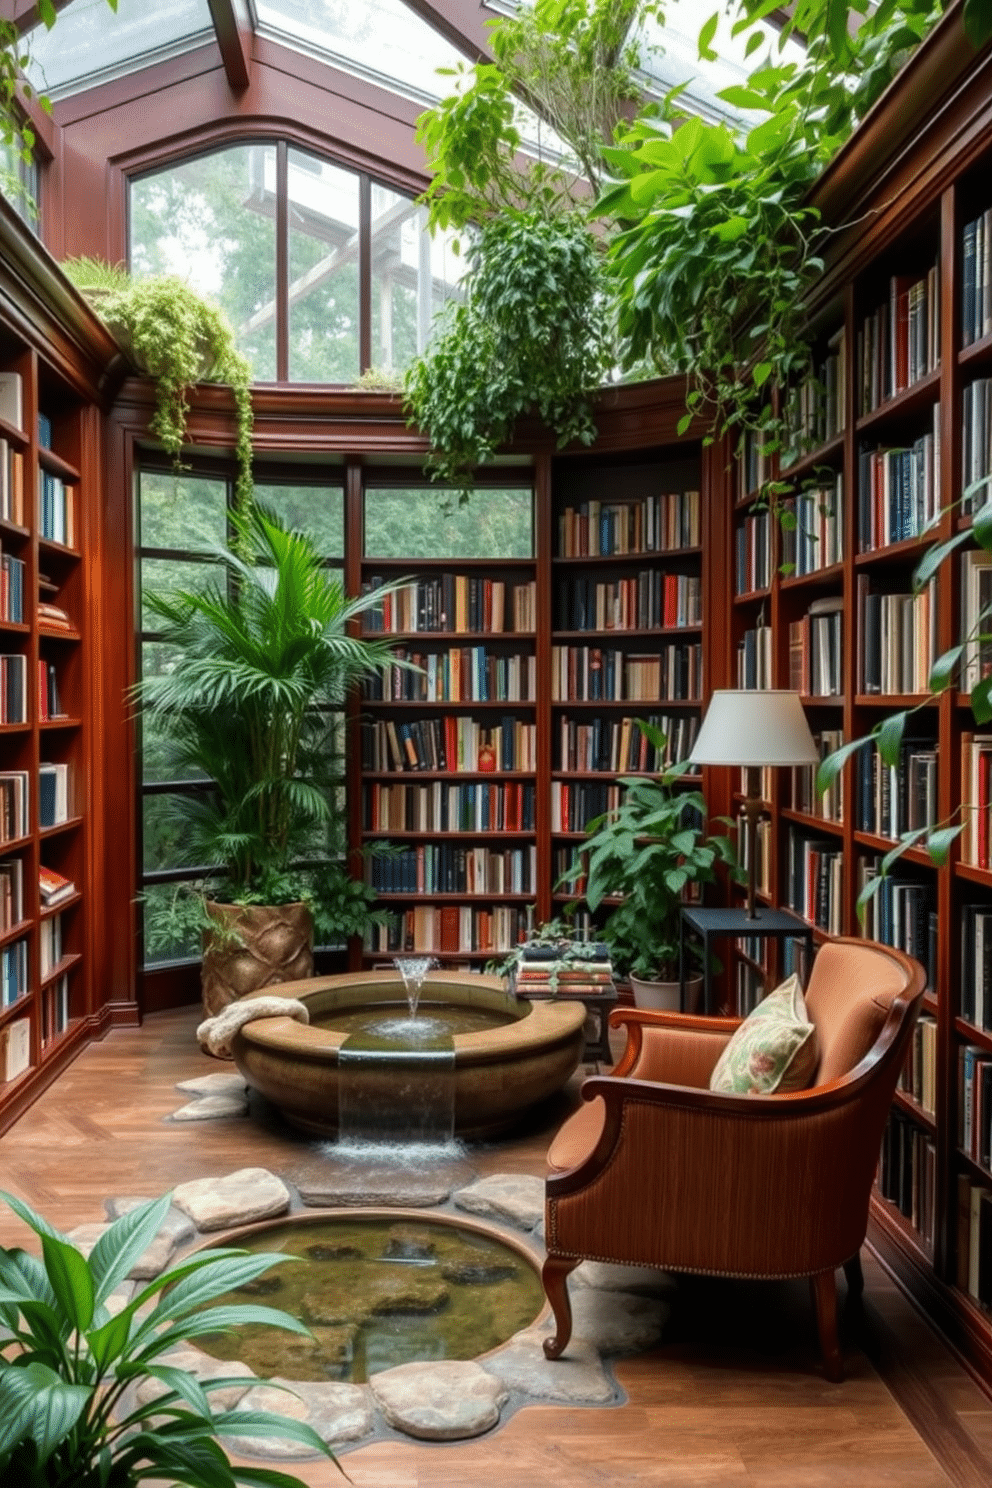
(232, 23)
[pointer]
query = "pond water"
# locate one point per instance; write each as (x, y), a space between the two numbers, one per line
(377, 1292)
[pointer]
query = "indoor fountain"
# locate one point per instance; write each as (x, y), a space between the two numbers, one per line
(506, 1054)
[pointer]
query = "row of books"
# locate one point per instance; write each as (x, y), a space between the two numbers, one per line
(11, 588)
(574, 804)
(13, 973)
(15, 1049)
(476, 806)
(805, 796)
(11, 893)
(452, 929)
(976, 799)
(918, 1076)
(664, 523)
(975, 1103)
(815, 411)
(754, 658)
(754, 465)
(976, 965)
(14, 805)
(976, 441)
(11, 483)
(49, 701)
(54, 803)
(901, 913)
(576, 968)
(816, 653)
(50, 943)
(976, 616)
(899, 342)
(753, 562)
(974, 1240)
(898, 491)
(595, 674)
(900, 798)
(645, 601)
(814, 889)
(898, 640)
(461, 674)
(763, 851)
(907, 1172)
(452, 602)
(13, 688)
(619, 745)
(451, 743)
(443, 868)
(55, 1010)
(812, 525)
(976, 278)
(56, 509)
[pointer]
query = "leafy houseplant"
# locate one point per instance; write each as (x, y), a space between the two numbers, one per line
(259, 664)
(176, 337)
(646, 853)
(69, 1361)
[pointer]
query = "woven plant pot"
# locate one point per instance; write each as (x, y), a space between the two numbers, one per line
(255, 945)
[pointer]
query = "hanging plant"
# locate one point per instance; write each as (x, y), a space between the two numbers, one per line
(177, 338)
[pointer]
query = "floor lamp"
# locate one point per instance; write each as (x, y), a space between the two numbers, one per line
(754, 729)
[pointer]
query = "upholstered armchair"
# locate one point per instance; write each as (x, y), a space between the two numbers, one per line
(658, 1170)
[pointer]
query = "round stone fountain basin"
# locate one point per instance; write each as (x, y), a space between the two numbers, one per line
(499, 1073)
(378, 1289)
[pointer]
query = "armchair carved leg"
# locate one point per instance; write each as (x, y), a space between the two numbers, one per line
(555, 1277)
(824, 1289)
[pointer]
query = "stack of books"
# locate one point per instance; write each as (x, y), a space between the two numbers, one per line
(578, 968)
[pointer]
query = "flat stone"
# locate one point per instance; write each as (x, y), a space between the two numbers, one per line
(237, 1199)
(212, 1108)
(336, 1412)
(447, 1400)
(219, 1084)
(608, 1276)
(153, 1261)
(387, 1190)
(517, 1197)
(202, 1367)
(577, 1378)
(618, 1322)
(85, 1236)
(404, 1291)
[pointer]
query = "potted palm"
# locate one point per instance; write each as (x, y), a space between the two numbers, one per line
(646, 853)
(259, 664)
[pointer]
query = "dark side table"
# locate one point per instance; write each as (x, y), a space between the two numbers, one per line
(733, 924)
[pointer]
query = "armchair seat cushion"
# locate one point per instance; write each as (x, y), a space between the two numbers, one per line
(578, 1137)
(774, 1049)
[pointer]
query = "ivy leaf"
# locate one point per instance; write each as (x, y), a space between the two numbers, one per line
(934, 557)
(981, 700)
(888, 737)
(706, 36)
(829, 768)
(762, 372)
(938, 844)
(981, 526)
(977, 22)
(942, 673)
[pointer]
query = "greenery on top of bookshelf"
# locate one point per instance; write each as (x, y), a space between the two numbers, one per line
(176, 337)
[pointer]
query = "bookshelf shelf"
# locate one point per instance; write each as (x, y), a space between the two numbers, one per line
(879, 844)
(910, 548)
(48, 910)
(978, 352)
(68, 963)
(813, 823)
(828, 453)
(970, 874)
(905, 1102)
(16, 932)
(385, 834)
(910, 401)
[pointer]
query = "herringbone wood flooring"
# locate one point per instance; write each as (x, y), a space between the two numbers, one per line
(734, 1396)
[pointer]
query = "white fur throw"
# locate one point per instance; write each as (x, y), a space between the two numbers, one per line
(214, 1035)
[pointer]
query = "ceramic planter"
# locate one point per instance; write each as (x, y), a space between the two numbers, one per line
(255, 946)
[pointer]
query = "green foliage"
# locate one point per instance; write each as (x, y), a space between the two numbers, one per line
(177, 338)
(68, 1364)
(262, 660)
(531, 337)
(648, 851)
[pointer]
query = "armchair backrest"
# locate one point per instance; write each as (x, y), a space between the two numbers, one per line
(851, 990)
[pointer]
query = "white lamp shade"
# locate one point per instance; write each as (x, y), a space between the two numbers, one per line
(754, 728)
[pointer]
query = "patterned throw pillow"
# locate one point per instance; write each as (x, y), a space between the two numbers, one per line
(774, 1049)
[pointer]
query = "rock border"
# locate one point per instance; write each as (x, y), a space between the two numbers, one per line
(617, 1310)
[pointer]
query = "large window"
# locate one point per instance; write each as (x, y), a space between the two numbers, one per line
(218, 220)
(182, 521)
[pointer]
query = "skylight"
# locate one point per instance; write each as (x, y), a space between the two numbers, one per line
(381, 40)
(91, 45)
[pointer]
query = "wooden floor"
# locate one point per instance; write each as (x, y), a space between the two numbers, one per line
(734, 1396)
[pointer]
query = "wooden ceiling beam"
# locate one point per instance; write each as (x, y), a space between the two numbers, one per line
(462, 22)
(232, 24)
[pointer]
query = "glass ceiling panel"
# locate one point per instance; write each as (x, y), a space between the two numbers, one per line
(378, 39)
(91, 45)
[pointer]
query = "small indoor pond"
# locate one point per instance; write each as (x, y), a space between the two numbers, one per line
(434, 1020)
(377, 1292)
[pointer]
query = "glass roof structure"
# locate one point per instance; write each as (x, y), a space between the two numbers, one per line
(385, 42)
